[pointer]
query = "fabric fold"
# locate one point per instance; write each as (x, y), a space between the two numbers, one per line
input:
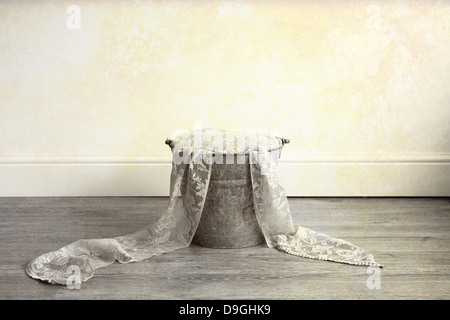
(310, 244)
(176, 227)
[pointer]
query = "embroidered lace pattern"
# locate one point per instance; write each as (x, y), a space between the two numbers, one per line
(175, 228)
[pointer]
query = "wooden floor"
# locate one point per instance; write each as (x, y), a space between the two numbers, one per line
(410, 236)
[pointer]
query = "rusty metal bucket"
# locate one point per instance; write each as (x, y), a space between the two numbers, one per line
(228, 219)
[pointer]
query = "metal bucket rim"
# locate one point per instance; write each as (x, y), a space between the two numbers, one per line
(282, 141)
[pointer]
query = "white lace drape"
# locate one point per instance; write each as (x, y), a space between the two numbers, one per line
(191, 171)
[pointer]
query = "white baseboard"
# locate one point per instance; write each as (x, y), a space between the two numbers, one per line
(149, 176)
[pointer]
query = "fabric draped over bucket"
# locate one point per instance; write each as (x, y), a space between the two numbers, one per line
(193, 155)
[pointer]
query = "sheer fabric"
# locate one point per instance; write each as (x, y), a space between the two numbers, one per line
(193, 155)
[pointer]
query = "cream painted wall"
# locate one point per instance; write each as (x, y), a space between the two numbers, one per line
(360, 87)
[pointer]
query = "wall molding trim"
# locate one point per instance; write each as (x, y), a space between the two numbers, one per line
(302, 175)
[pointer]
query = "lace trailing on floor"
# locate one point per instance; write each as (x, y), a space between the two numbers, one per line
(176, 227)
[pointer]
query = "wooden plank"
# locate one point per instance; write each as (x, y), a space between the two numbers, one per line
(410, 236)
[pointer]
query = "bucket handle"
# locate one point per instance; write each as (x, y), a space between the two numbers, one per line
(170, 143)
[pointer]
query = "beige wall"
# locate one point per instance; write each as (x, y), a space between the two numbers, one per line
(360, 87)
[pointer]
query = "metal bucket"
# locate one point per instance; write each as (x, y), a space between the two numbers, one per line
(228, 219)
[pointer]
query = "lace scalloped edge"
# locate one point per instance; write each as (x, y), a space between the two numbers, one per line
(304, 255)
(35, 276)
(31, 274)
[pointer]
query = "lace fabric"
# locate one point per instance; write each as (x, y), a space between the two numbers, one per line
(193, 155)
